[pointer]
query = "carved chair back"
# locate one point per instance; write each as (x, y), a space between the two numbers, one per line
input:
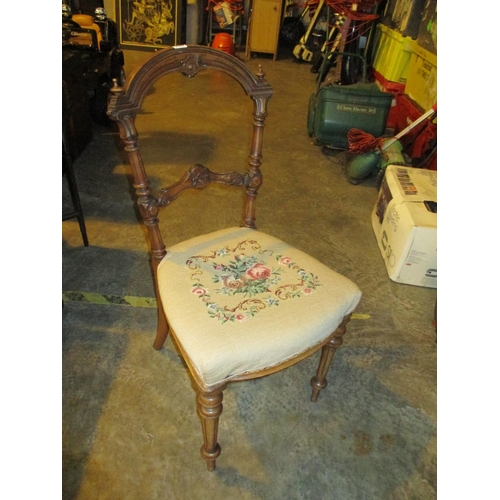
(126, 102)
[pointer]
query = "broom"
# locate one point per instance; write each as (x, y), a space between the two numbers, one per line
(371, 149)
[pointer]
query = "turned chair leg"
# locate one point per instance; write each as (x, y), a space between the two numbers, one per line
(319, 382)
(209, 405)
(162, 328)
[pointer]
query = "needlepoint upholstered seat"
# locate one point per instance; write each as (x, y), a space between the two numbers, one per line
(239, 303)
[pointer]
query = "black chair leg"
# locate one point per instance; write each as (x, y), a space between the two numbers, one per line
(75, 197)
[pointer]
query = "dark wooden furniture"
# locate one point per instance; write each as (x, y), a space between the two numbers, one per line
(69, 173)
(76, 117)
(85, 6)
(76, 130)
(239, 303)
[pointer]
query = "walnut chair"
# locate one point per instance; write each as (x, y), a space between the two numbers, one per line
(240, 304)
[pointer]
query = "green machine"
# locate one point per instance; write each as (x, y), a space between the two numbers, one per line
(389, 152)
(335, 109)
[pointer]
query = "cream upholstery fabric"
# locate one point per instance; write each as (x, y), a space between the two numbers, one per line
(240, 300)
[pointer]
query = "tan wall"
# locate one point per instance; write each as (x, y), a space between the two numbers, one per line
(110, 8)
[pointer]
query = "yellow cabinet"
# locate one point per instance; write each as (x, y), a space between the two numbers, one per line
(264, 27)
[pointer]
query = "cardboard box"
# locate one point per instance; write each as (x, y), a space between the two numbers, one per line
(223, 14)
(404, 221)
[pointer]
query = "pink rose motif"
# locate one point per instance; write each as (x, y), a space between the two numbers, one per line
(197, 290)
(240, 317)
(285, 261)
(218, 267)
(233, 283)
(258, 272)
(307, 291)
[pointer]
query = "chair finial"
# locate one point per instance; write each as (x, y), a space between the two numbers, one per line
(261, 73)
(116, 89)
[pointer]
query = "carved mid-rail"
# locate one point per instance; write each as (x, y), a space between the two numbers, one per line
(198, 177)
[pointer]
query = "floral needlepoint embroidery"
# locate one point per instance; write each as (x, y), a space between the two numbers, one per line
(248, 279)
(199, 291)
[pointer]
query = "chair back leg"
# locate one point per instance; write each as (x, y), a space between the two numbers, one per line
(162, 328)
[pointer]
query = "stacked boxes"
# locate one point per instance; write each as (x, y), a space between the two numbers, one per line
(392, 59)
(407, 70)
(391, 63)
(421, 83)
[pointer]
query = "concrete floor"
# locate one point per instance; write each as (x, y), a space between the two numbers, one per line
(130, 429)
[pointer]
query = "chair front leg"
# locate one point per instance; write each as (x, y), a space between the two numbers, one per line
(319, 382)
(209, 405)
